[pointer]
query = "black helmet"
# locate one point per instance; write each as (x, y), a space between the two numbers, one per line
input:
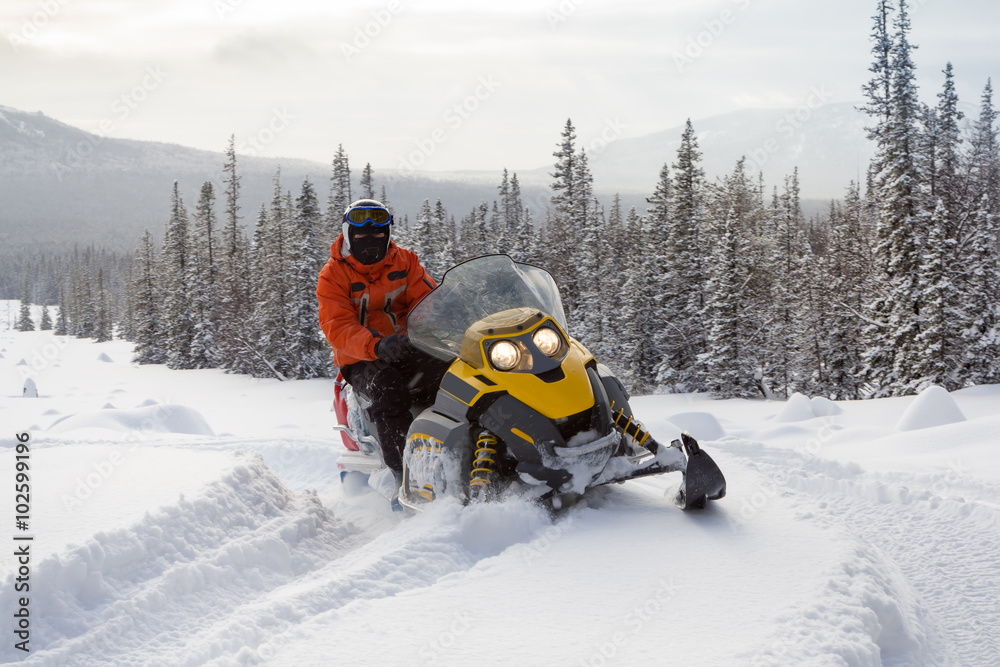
(367, 230)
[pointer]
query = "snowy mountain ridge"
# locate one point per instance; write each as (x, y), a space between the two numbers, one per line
(63, 185)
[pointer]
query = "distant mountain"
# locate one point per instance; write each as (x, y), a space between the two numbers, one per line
(61, 186)
(827, 144)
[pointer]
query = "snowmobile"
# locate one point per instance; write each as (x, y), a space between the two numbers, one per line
(524, 408)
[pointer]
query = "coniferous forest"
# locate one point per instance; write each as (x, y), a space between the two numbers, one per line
(720, 286)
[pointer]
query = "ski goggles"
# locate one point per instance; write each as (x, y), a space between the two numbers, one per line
(363, 216)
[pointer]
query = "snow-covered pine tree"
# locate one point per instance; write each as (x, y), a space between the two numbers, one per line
(103, 328)
(684, 284)
(148, 294)
(979, 261)
(273, 251)
(878, 90)
(340, 195)
(946, 184)
(617, 256)
(737, 303)
(24, 320)
(982, 167)
(62, 319)
(849, 267)
(893, 356)
(667, 296)
(203, 274)
(367, 184)
(236, 284)
(565, 219)
(938, 362)
(787, 290)
(523, 244)
(592, 264)
(177, 316)
(727, 371)
(422, 238)
(443, 254)
(46, 324)
(634, 362)
(86, 309)
(308, 350)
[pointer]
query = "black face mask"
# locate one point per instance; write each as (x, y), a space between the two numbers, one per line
(369, 249)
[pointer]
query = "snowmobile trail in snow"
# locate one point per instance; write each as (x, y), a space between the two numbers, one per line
(946, 546)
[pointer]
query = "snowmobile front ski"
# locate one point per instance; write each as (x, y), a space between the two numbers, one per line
(703, 481)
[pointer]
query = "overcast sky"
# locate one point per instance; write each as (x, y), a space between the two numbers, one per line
(451, 84)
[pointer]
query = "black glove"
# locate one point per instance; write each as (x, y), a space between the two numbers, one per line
(394, 348)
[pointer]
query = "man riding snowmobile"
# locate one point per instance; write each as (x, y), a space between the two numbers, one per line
(365, 292)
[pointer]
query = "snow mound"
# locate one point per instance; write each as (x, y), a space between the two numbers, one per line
(797, 408)
(109, 406)
(103, 357)
(824, 407)
(148, 402)
(702, 425)
(161, 578)
(30, 390)
(934, 406)
(153, 419)
(22, 363)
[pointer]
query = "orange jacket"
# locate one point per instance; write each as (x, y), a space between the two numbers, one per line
(359, 303)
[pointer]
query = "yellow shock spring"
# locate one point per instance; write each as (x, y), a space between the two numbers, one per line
(483, 461)
(629, 426)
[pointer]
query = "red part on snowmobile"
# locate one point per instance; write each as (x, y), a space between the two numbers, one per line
(340, 408)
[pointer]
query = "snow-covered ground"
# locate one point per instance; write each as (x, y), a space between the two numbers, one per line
(194, 517)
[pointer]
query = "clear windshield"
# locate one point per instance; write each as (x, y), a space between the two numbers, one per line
(473, 291)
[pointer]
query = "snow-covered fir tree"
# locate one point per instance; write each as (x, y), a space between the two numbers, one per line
(24, 320)
(893, 354)
(683, 337)
(203, 275)
(308, 350)
(177, 315)
(46, 324)
(103, 325)
(367, 184)
(62, 319)
(340, 194)
(938, 362)
(235, 309)
(148, 295)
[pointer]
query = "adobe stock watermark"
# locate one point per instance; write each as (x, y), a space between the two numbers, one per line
(613, 129)
(635, 622)
(99, 473)
(562, 12)
(714, 28)
(453, 118)
(539, 546)
(122, 108)
(364, 35)
(42, 358)
(256, 143)
(32, 26)
(447, 639)
(789, 125)
(223, 7)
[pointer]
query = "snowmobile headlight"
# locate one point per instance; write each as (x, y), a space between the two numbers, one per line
(504, 355)
(547, 340)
